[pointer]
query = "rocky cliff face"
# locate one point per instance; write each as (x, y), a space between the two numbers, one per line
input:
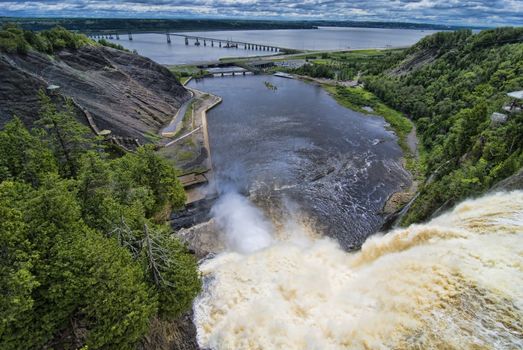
(123, 92)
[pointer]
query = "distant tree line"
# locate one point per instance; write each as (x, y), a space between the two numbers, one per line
(315, 71)
(179, 24)
(93, 25)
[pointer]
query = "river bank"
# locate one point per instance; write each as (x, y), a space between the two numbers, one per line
(196, 181)
(271, 145)
(352, 94)
(357, 98)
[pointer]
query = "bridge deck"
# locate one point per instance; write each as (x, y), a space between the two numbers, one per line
(194, 37)
(106, 33)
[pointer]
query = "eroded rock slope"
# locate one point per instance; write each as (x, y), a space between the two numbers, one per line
(123, 92)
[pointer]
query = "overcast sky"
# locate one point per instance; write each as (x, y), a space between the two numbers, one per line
(474, 12)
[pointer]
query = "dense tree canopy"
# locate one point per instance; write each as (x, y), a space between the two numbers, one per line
(76, 229)
(15, 39)
(451, 99)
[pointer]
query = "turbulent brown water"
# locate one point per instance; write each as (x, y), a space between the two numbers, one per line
(455, 282)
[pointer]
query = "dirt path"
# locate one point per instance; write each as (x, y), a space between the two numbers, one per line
(175, 123)
(412, 141)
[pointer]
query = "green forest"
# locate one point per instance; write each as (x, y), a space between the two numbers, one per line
(449, 84)
(88, 259)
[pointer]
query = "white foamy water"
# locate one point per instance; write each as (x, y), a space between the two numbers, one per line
(453, 283)
(244, 227)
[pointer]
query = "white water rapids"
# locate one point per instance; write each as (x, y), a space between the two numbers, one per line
(455, 282)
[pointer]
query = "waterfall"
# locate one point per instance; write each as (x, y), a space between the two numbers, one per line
(454, 282)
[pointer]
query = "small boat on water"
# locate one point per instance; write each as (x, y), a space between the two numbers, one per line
(283, 75)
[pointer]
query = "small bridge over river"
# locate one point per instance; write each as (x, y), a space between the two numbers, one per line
(196, 40)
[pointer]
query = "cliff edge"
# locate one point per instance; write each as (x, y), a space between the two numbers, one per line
(125, 93)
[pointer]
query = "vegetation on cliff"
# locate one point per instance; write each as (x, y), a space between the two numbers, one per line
(15, 39)
(451, 100)
(87, 258)
(449, 84)
(112, 45)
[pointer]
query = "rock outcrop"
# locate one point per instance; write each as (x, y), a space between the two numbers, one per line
(125, 93)
(511, 183)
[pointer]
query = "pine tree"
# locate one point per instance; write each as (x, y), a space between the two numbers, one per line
(84, 288)
(24, 156)
(67, 138)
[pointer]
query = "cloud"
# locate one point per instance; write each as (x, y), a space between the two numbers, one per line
(473, 12)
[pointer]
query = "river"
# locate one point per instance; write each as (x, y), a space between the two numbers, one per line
(155, 46)
(296, 147)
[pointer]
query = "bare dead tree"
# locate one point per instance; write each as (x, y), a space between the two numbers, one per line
(158, 257)
(126, 238)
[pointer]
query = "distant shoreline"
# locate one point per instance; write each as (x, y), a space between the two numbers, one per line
(143, 25)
